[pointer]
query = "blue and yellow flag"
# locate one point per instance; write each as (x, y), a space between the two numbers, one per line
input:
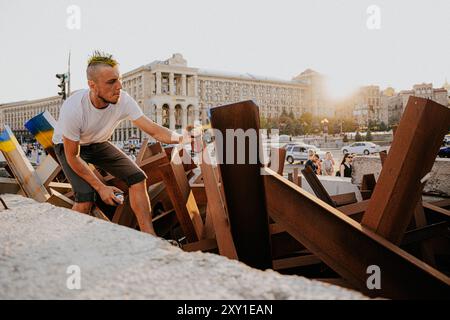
(8, 141)
(42, 127)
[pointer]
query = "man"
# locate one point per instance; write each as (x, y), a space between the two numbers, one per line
(311, 161)
(86, 121)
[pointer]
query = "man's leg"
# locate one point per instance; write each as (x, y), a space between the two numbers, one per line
(116, 162)
(83, 207)
(84, 193)
(140, 203)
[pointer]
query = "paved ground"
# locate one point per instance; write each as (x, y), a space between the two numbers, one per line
(38, 242)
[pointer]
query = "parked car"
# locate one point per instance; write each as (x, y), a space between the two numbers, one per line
(444, 152)
(284, 138)
(446, 141)
(361, 148)
(299, 152)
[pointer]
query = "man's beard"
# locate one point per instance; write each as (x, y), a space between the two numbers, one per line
(105, 100)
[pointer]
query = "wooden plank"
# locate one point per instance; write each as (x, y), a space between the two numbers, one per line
(124, 215)
(383, 157)
(59, 200)
(201, 245)
(296, 177)
(198, 188)
(183, 201)
(368, 182)
(142, 151)
(97, 213)
(441, 203)
(217, 209)
(276, 228)
(411, 157)
(8, 185)
(344, 199)
(242, 182)
(424, 233)
(436, 210)
(347, 247)
(208, 229)
(61, 187)
(355, 210)
(48, 170)
(21, 167)
(293, 262)
(368, 185)
(317, 186)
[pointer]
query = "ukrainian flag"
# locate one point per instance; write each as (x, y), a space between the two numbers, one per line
(42, 127)
(8, 141)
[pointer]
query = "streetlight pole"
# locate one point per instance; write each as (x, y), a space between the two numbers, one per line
(68, 73)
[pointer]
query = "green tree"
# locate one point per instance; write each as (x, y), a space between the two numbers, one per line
(358, 136)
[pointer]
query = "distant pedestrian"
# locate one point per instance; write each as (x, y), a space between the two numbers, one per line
(318, 164)
(328, 165)
(311, 161)
(38, 157)
(346, 167)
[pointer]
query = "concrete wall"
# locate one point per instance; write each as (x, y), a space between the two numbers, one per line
(438, 184)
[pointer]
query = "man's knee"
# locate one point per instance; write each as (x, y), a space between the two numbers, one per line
(138, 186)
(83, 207)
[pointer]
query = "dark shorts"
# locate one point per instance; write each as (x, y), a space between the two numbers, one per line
(106, 156)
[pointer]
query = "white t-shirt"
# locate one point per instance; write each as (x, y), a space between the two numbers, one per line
(80, 121)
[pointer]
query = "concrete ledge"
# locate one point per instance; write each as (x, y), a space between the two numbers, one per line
(38, 242)
(438, 184)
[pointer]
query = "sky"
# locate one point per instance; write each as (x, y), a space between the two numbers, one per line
(394, 43)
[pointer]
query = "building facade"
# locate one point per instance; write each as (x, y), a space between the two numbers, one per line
(368, 106)
(17, 113)
(396, 104)
(175, 95)
(426, 90)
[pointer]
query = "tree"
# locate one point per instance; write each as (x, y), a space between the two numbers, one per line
(383, 126)
(349, 125)
(291, 115)
(345, 139)
(369, 135)
(358, 136)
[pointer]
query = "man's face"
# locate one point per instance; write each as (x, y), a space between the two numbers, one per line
(107, 84)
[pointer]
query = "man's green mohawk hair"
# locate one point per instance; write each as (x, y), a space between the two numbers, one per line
(99, 57)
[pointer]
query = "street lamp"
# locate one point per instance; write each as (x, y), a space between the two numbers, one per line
(324, 123)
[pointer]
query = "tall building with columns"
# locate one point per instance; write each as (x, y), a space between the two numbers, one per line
(174, 95)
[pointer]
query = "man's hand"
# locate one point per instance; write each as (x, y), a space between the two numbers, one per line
(186, 137)
(108, 197)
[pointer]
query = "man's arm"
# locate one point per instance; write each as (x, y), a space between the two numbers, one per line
(158, 132)
(81, 168)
